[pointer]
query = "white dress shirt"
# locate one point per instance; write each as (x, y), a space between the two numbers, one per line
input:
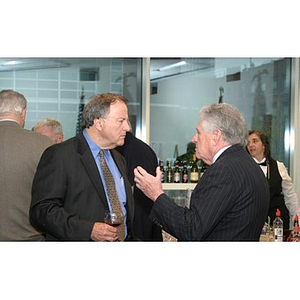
(290, 196)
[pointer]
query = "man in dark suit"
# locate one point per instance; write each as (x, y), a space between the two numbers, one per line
(69, 195)
(138, 153)
(231, 200)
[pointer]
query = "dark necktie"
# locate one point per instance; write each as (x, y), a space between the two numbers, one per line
(264, 163)
(112, 194)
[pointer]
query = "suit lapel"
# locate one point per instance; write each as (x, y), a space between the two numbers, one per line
(90, 166)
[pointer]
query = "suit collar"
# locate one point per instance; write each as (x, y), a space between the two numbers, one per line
(220, 152)
(82, 144)
(233, 148)
(90, 166)
(10, 122)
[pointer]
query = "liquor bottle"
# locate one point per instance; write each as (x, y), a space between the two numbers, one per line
(162, 169)
(194, 173)
(185, 175)
(169, 172)
(203, 169)
(176, 173)
(294, 235)
(296, 221)
(278, 228)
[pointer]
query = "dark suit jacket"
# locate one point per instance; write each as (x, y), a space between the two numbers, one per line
(229, 203)
(138, 153)
(68, 194)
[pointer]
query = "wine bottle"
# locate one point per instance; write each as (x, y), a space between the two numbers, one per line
(185, 175)
(169, 172)
(194, 173)
(176, 173)
(203, 169)
(162, 169)
(278, 228)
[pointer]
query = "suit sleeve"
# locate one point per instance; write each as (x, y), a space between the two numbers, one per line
(209, 204)
(48, 208)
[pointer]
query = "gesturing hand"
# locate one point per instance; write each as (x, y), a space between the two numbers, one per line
(151, 186)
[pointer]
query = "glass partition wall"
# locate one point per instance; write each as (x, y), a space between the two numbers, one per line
(179, 87)
(259, 87)
(58, 87)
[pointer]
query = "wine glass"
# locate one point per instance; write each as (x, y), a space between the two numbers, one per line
(113, 218)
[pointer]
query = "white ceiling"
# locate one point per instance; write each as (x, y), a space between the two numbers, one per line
(213, 66)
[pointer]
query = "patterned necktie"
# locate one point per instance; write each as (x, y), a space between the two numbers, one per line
(112, 194)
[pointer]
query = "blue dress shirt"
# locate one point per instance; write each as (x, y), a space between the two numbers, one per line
(119, 180)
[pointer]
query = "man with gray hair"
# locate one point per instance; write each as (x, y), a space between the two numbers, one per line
(51, 128)
(231, 200)
(20, 152)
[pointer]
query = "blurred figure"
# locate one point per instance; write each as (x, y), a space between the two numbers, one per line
(188, 156)
(138, 153)
(282, 193)
(20, 152)
(230, 201)
(51, 128)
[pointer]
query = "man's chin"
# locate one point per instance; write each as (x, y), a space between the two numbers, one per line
(121, 143)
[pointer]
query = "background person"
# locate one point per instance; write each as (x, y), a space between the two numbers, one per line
(20, 152)
(51, 128)
(231, 200)
(69, 194)
(282, 193)
(138, 153)
(188, 156)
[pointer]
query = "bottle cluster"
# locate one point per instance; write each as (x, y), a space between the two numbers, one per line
(189, 172)
(276, 232)
(278, 229)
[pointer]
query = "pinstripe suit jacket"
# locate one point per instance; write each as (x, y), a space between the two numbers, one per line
(229, 203)
(20, 152)
(67, 193)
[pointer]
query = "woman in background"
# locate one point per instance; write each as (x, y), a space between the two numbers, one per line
(282, 193)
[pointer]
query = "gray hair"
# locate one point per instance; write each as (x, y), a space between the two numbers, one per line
(99, 107)
(12, 103)
(228, 119)
(54, 124)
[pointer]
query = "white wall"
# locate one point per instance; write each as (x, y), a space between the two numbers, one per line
(174, 109)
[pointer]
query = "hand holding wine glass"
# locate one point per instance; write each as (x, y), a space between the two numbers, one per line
(113, 218)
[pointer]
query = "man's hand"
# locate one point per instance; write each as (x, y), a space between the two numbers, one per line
(104, 233)
(151, 186)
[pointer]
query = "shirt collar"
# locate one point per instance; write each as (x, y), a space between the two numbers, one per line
(219, 153)
(259, 162)
(11, 120)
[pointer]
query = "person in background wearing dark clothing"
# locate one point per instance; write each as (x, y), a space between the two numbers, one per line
(20, 152)
(230, 201)
(282, 193)
(188, 156)
(138, 153)
(70, 194)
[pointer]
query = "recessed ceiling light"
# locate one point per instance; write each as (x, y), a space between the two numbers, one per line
(11, 63)
(176, 65)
